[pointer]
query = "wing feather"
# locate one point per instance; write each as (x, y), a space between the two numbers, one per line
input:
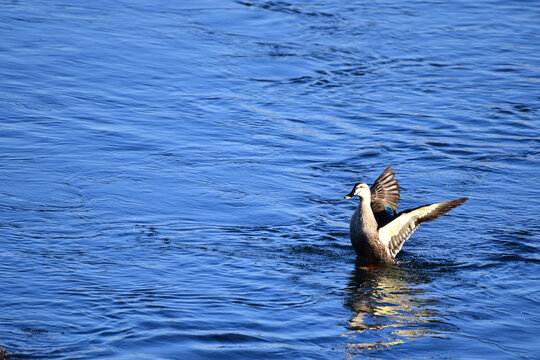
(386, 188)
(395, 233)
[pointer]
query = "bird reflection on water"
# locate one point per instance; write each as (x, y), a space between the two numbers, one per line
(388, 308)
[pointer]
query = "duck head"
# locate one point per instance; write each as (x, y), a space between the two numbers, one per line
(360, 189)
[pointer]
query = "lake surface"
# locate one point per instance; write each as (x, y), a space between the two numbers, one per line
(172, 178)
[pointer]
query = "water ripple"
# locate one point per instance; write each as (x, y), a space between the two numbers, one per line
(172, 178)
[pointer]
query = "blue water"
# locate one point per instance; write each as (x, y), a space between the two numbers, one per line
(172, 178)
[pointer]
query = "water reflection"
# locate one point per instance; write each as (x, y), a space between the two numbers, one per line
(389, 308)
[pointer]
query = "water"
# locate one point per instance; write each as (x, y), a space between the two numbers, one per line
(172, 178)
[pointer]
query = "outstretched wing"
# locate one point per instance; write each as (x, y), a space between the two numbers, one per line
(386, 189)
(395, 233)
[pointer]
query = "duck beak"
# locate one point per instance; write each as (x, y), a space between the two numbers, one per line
(349, 195)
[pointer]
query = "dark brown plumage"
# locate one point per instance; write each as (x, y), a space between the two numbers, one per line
(3, 354)
(384, 191)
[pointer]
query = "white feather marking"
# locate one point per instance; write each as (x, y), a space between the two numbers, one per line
(395, 233)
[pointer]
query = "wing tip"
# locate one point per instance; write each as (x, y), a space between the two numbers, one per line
(457, 202)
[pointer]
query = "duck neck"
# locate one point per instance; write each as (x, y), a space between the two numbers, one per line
(369, 224)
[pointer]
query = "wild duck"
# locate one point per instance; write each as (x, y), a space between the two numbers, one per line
(377, 230)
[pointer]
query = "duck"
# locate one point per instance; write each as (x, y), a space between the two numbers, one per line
(377, 230)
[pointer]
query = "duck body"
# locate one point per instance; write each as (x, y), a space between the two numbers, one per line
(377, 230)
(365, 236)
